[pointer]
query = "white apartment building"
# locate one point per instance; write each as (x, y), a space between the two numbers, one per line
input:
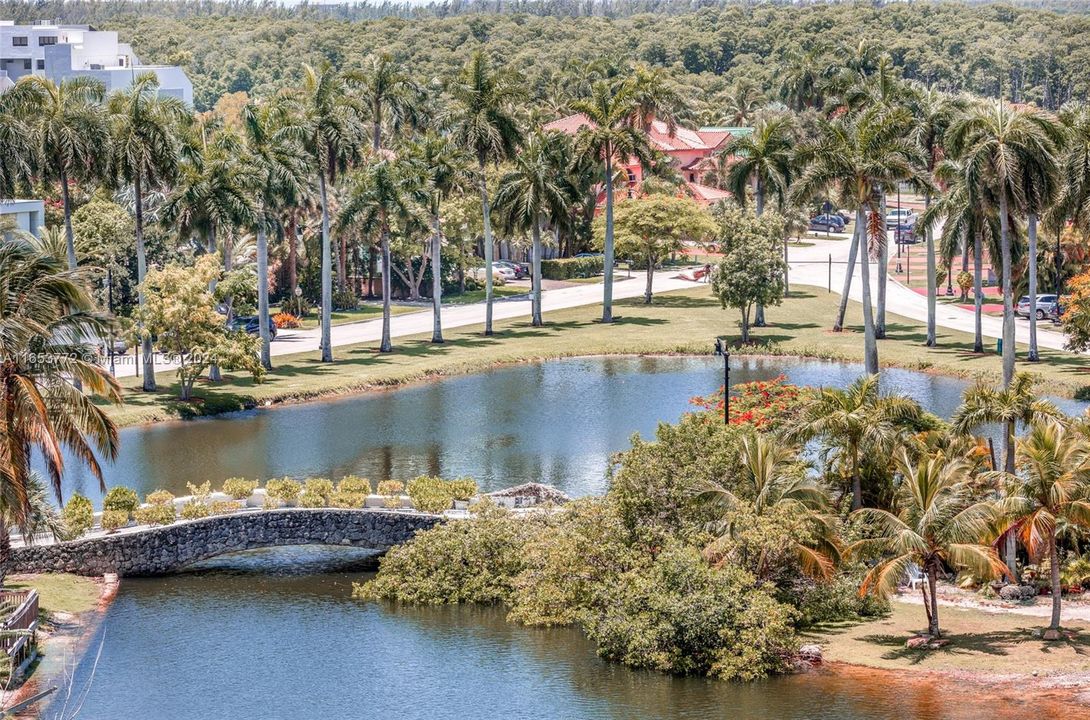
(63, 51)
(28, 215)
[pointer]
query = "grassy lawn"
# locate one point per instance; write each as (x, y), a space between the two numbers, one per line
(59, 593)
(978, 641)
(366, 311)
(475, 296)
(685, 321)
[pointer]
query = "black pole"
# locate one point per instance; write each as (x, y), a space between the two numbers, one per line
(1059, 282)
(726, 387)
(110, 308)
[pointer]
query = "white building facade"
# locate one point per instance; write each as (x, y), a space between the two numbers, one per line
(63, 51)
(28, 215)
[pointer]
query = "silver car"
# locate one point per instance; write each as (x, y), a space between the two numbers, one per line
(1042, 308)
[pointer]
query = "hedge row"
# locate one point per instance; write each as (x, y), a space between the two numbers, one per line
(568, 268)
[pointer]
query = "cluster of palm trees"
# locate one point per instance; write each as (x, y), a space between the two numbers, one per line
(934, 502)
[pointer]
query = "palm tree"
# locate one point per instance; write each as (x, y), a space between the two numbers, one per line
(774, 481)
(1051, 488)
(1001, 146)
(611, 136)
(72, 136)
(858, 421)
(331, 117)
(933, 111)
(1073, 200)
(861, 156)
(16, 143)
(484, 124)
(1010, 405)
(743, 102)
(47, 334)
(935, 524)
(145, 156)
(274, 142)
(382, 192)
(804, 78)
(531, 193)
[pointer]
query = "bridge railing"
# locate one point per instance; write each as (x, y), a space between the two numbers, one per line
(20, 609)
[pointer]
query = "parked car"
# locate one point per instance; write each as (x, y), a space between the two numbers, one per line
(827, 223)
(519, 270)
(900, 216)
(249, 324)
(1042, 307)
(503, 270)
(589, 254)
(904, 232)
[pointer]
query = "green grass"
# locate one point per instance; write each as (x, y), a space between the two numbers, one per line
(59, 592)
(978, 642)
(475, 296)
(686, 321)
(366, 311)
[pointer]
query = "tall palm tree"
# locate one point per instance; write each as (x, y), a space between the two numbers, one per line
(483, 122)
(1052, 487)
(143, 125)
(380, 193)
(72, 136)
(331, 116)
(47, 332)
(743, 102)
(773, 479)
(858, 421)
(531, 193)
(275, 153)
(1012, 404)
(1000, 145)
(612, 136)
(862, 155)
(1073, 200)
(935, 524)
(16, 143)
(933, 111)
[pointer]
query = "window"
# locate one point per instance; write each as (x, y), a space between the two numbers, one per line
(26, 64)
(41, 64)
(19, 41)
(47, 40)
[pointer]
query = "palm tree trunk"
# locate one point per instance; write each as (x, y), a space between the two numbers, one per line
(978, 292)
(1031, 222)
(759, 198)
(5, 549)
(932, 281)
(342, 263)
(1010, 549)
(1057, 591)
(849, 271)
(933, 624)
(69, 236)
(535, 274)
(214, 374)
(293, 254)
(327, 278)
(1008, 301)
(482, 186)
(883, 272)
(263, 293)
(436, 278)
(870, 343)
(964, 261)
(607, 260)
(141, 271)
(857, 481)
(386, 345)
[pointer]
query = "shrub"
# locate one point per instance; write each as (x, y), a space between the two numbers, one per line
(270, 503)
(345, 300)
(239, 488)
(195, 510)
(347, 500)
(155, 514)
(430, 494)
(161, 497)
(354, 484)
(284, 489)
(200, 492)
(285, 321)
(224, 507)
(463, 488)
(498, 280)
(568, 268)
(78, 517)
(319, 486)
(111, 520)
(308, 499)
(391, 490)
(122, 499)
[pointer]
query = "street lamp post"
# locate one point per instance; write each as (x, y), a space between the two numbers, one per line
(721, 349)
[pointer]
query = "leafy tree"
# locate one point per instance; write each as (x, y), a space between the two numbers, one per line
(16, 144)
(935, 524)
(752, 270)
(180, 310)
(1076, 316)
(104, 235)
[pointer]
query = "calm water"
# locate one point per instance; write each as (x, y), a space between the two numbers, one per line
(275, 635)
(555, 422)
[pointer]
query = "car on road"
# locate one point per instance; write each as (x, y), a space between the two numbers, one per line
(1041, 308)
(827, 223)
(249, 324)
(899, 216)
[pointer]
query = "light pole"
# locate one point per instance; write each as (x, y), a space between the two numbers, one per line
(721, 349)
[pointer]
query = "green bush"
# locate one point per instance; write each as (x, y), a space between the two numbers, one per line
(568, 268)
(390, 487)
(462, 488)
(200, 492)
(345, 300)
(347, 500)
(195, 510)
(284, 489)
(308, 499)
(430, 494)
(155, 514)
(319, 486)
(111, 520)
(78, 517)
(161, 497)
(224, 507)
(354, 484)
(239, 488)
(122, 499)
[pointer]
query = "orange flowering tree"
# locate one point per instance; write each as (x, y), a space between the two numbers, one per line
(765, 404)
(1076, 312)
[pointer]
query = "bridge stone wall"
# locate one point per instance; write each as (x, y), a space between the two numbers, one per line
(163, 550)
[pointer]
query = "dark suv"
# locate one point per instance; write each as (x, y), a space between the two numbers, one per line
(249, 324)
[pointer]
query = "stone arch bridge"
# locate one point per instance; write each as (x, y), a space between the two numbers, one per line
(168, 549)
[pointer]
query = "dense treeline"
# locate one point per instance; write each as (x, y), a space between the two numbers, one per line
(1022, 53)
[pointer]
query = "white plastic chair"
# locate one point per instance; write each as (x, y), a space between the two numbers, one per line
(915, 576)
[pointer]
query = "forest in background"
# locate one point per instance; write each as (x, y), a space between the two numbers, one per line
(1023, 52)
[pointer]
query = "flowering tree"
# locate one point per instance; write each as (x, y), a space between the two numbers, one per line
(1076, 315)
(180, 313)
